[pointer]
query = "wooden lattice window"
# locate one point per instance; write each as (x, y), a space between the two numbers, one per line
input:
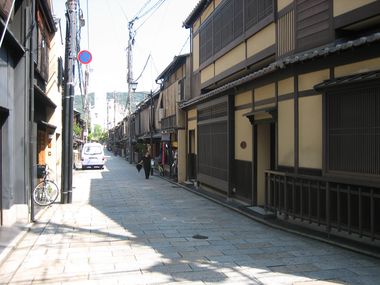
(257, 10)
(353, 130)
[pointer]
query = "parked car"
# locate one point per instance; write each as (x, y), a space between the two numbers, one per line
(92, 155)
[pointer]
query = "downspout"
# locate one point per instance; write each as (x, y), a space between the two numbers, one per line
(29, 119)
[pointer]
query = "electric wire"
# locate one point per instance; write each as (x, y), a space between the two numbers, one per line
(188, 37)
(146, 63)
(6, 23)
(155, 7)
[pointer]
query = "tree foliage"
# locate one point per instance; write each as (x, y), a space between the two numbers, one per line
(98, 134)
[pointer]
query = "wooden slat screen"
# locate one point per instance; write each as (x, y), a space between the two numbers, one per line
(212, 150)
(205, 42)
(212, 141)
(353, 122)
(285, 31)
(312, 23)
(256, 10)
(227, 23)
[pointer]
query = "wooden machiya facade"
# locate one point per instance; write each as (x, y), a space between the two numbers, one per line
(284, 107)
(175, 88)
(148, 136)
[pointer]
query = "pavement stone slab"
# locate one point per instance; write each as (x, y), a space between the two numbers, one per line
(123, 229)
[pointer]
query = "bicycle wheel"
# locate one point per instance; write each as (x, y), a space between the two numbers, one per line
(45, 193)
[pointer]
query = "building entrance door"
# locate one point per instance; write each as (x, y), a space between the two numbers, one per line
(265, 158)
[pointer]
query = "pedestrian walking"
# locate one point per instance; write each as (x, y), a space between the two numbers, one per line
(146, 161)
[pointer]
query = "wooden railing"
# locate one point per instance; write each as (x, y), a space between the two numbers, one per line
(342, 205)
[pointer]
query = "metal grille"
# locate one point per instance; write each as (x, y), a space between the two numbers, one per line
(353, 120)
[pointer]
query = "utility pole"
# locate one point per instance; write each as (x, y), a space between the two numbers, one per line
(68, 100)
(151, 127)
(130, 81)
(86, 81)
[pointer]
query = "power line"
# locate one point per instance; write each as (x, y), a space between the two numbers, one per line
(188, 37)
(153, 9)
(146, 63)
(142, 8)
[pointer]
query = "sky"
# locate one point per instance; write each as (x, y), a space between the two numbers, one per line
(161, 35)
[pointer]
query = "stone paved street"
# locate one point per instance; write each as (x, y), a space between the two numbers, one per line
(124, 229)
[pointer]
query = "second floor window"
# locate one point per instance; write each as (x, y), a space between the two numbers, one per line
(228, 22)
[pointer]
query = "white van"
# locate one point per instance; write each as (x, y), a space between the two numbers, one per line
(92, 155)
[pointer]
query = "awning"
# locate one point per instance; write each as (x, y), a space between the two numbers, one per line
(270, 112)
(346, 80)
(41, 98)
(46, 126)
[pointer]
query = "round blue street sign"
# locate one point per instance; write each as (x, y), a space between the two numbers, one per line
(84, 56)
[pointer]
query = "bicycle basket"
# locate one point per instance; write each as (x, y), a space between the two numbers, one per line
(41, 170)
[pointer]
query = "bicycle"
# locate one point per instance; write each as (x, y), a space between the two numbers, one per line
(46, 192)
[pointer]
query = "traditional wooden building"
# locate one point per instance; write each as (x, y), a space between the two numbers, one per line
(175, 88)
(147, 133)
(284, 109)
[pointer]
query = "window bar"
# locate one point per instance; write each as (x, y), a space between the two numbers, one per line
(338, 206)
(372, 215)
(294, 199)
(349, 208)
(360, 213)
(286, 195)
(301, 199)
(267, 176)
(328, 206)
(309, 193)
(274, 192)
(319, 202)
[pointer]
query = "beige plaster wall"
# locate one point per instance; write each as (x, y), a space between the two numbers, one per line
(308, 80)
(243, 98)
(286, 86)
(196, 25)
(230, 59)
(181, 155)
(344, 6)
(207, 12)
(265, 92)
(310, 132)
(357, 67)
(286, 133)
(196, 53)
(261, 40)
(281, 4)
(207, 73)
(243, 132)
(192, 125)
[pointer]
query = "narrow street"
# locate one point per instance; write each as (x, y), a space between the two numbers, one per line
(124, 229)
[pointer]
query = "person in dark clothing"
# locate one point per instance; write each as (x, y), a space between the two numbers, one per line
(146, 164)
